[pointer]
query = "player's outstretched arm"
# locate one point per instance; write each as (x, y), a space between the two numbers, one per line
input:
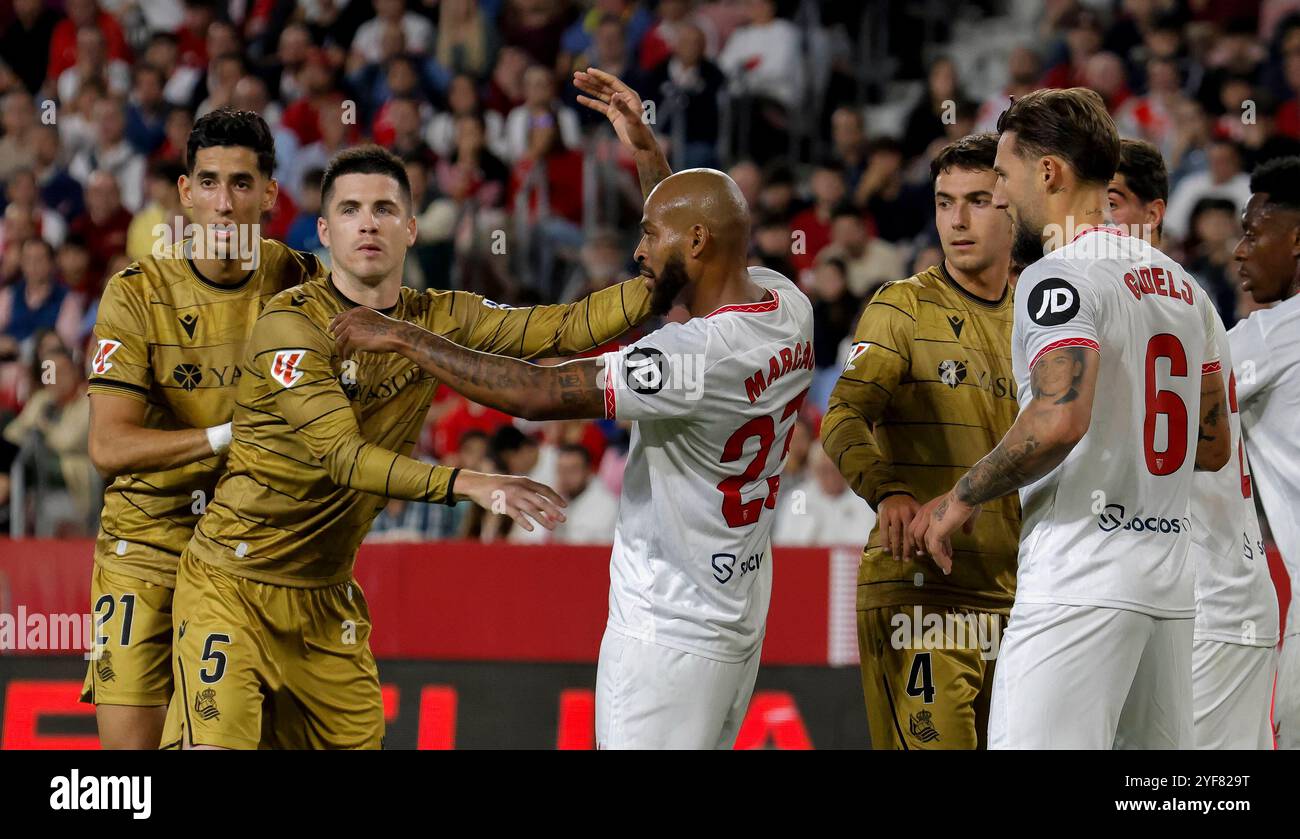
(531, 391)
(1063, 383)
(120, 443)
(609, 95)
(1214, 441)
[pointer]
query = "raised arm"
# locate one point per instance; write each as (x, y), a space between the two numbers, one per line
(607, 94)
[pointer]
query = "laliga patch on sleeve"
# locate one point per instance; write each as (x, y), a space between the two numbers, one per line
(644, 370)
(284, 367)
(855, 352)
(101, 364)
(1053, 302)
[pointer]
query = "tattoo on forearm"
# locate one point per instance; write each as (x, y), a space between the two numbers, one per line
(1008, 467)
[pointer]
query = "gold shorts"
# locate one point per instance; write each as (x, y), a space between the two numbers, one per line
(265, 666)
(927, 675)
(133, 627)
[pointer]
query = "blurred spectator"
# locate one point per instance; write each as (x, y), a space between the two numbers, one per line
(766, 73)
(463, 100)
(56, 419)
(849, 143)
(505, 90)
(317, 155)
(686, 88)
(536, 27)
(1105, 74)
(778, 191)
(673, 16)
(471, 170)
(163, 209)
(610, 52)
(179, 80)
(292, 51)
(22, 193)
(937, 108)
(749, 178)
(603, 261)
(25, 44)
(59, 191)
(224, 73)
(772, 243)
(18, 120)
(1223, 178)
(112, 154)
(417, 30)
(869, 261)
(1024, 68)
(146, 110)
(320, 100)
(812, 227)
(466, 40)
(302, 233)
(192, 36)
(1213, 236)
(73, 261)
(65, 42)
(835, 313)
(898, 209)
(1151, 117)
(404, 136)
(822, 510)
(93, 62)
(580, 42)
(36, 301)
(176, 132)
(540, 110)
(1082, 37)
(593, 509)
(1235, 54)
(103, 225)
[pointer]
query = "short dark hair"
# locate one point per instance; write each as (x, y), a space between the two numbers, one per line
(578, 449)
(1144, 170)
(508, 438)
(974, 152)
(231, 127)
(1072, 124)
(1279, 178)
(365, 160)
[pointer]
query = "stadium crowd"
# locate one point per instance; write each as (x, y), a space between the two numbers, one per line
(523, 195)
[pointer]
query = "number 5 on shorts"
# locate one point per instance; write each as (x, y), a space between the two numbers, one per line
(216, 657)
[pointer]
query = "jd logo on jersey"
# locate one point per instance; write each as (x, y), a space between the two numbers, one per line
(187, 376)
(188, 322)
(645, 370)
(1053, 302)
(952, 373)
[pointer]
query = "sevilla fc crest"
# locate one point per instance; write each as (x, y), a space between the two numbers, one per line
(284, 366)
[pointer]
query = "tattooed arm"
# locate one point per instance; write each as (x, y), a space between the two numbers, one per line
(1063, 383)
(607, 94)
(1214, 440)
(532, 391)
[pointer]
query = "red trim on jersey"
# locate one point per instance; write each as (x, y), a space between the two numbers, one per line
(610, 403)
(1209, 367)
(1086, 343)
(751, 308)
(1105, 228)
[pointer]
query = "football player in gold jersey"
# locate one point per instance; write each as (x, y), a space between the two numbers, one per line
(171, 330)
(272, 632)
(926, 392)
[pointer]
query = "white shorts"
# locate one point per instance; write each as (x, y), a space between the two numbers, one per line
(1090, 677)
(1232, 690)
(1286, 702)
(649, 696)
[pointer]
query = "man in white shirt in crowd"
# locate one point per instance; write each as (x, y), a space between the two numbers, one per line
(822, 510)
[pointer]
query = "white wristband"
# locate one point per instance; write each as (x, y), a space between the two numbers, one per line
(219, 438)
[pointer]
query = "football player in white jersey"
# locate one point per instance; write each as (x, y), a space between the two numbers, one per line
(1121, 396)
(714, 400)
(1266, 355)
(1234, 652)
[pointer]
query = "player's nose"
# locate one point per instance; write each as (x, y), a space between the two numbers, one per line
(1239, 250)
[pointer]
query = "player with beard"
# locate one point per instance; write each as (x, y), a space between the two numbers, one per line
(171, 330)
(1266, 359)
(1097, 651)
(926, 391)
(714, 403)
(1234, 657)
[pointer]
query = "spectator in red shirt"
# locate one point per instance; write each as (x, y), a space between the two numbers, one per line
(102, 226)
(1082, 41)
(63, 45)
(814, 223)
(303, 117)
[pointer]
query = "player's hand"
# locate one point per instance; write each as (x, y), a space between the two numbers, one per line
(511, 495)
(365, 330)
(607, 94)
(894, 515)
(937, 521)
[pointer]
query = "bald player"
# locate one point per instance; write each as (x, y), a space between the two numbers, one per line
(713, 401)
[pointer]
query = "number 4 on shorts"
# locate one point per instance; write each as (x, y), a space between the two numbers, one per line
(922, 673)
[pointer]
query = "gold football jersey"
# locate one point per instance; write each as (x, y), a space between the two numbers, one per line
(927, 391)
(173, 339)
(320, 443)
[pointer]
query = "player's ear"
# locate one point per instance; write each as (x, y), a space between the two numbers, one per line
(323, 230)
(411, 231)
(185, 190)
(1295, 242)
(271, 194)
(699, 237)
(1156, 213)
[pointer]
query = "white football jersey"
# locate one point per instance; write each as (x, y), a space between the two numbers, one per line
(715, 401)
(1109, 526)
(1266, 352)
(1235, 599)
